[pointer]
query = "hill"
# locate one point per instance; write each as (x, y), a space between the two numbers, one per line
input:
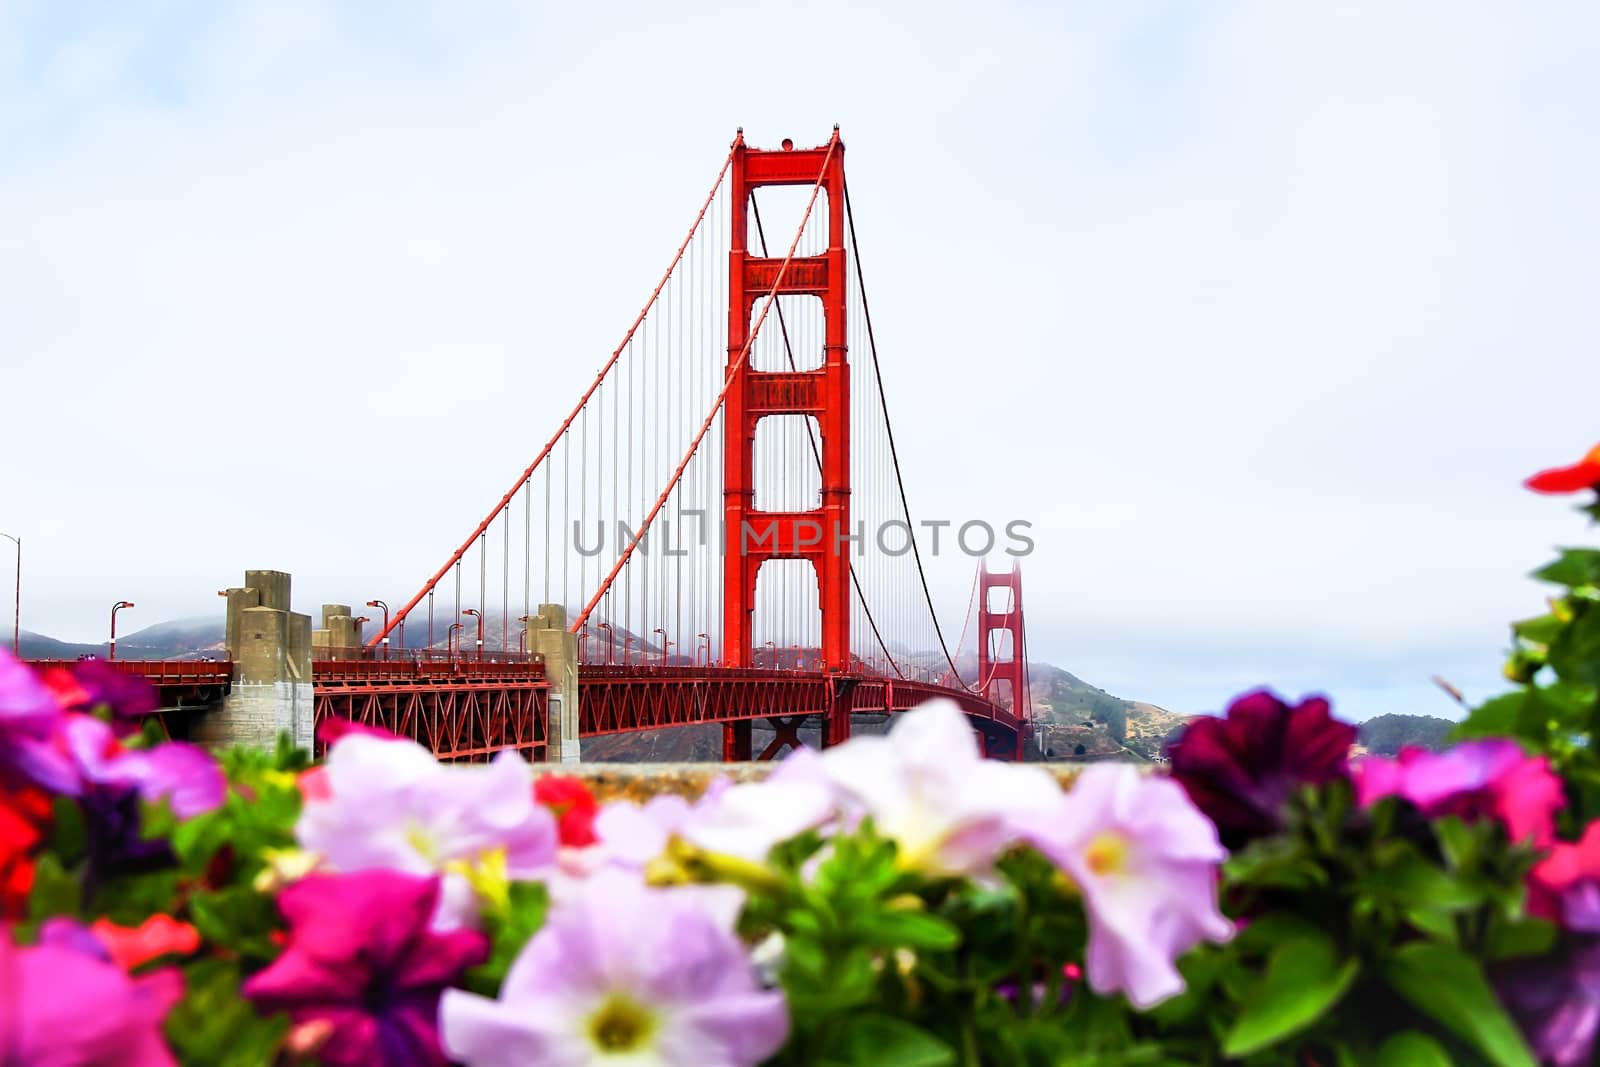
(174, 639)
(1386, 734)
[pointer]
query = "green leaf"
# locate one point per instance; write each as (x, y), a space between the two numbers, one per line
(1530, 937)
(1415, 882)
(1540, 630)
(1577, 566)
(1575, 655)
(881, 1041)
(1449, 987)
(1304, 979)
(55, 891)
(1412, 1048)
(1497, 717)
(909, 929)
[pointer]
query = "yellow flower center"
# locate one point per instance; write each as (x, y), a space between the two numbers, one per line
(487, 875)
(1107, 854)
(621, 1024)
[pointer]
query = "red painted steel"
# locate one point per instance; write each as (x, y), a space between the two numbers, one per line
(816, 536)
(461, 710)
(620, 699)
(1012, 671)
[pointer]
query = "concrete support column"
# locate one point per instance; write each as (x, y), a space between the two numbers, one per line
(548, 636)
(270, 647)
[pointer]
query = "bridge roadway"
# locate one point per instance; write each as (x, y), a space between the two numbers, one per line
(465, 708)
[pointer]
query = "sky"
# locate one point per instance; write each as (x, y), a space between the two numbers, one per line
(1259, 312)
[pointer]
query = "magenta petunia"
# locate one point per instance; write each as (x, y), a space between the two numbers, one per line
(1242, 768)
(1491, 778)
(29, 717)
(363, 963)
(63, 1004)
(185, 775)
(1565, 886)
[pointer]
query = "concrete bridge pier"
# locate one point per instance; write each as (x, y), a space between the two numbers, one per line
(548, 636)
(270, 646)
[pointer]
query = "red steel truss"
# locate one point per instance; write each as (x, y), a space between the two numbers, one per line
(460, 710)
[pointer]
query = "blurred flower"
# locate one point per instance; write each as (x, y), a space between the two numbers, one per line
(91, 684)
(362, 959)
(1584, 474)
(627, 974)
(29, 716)
(184, 775)
(744, 821)
(1241, 769)
(159, 935)
(64, 1005)
(1491, 778)
(927, 787)
(333, 729)
(392, 805)
(24, 816)
(1565, 886)
(573, 805)
(113, 827)
(1556, 1001)
(1145, 860)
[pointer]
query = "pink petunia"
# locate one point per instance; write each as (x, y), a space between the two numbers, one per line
(1491, 778)
(1145, 859)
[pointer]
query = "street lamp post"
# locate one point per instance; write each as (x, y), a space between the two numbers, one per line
(475, 613)
(664, 643)
(627, 648)
(522, 634)
(16, 609)
(610, 641)
(118, 606)
(385, 608)
(450, 640)
(697, 639)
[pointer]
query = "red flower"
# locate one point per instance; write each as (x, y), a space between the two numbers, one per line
(159, 935)
(1584, 474)
(574, 807)
(24, 815)
(1242, 768)
(1565, 886)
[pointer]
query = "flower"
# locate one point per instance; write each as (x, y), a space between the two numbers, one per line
(90, 684)
(24, 814)
(69, 1007)
(184, 775)
(744, 821)
(362, 960)
(159, 935)
(1556, 1001)
(927, 787)
(1565, 886)
(392, 805)
(573, 805)
(1145, 859)
(1475, 779)
(1584, 474)
(624, 973)
(1241, 769)
(29, 715)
